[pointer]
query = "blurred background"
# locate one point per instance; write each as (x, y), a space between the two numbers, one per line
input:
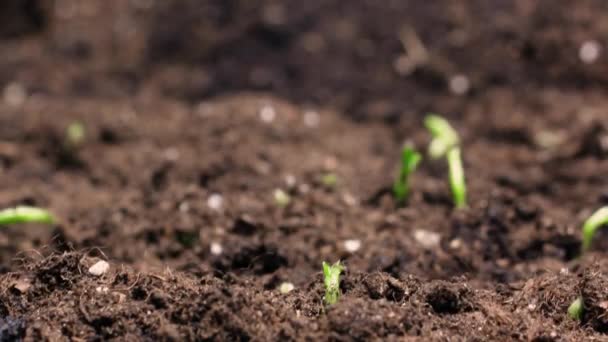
(371, 59)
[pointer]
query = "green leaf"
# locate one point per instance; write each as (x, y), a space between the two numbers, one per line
(332, 282)
(444, 136)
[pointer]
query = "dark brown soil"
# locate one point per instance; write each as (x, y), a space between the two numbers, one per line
(173, 96)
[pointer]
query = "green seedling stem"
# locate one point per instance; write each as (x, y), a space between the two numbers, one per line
(457, 181)
(409, 162)
(24, 214)
(445, 142)
(331, 279)
(590, 227)
(575, 310)
(444, 136)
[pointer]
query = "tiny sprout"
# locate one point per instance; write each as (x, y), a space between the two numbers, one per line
(24, 214)
(444, 136)
(329, 180)
(457, 182)
(575, 310)
(281, 198)
(332, 282)
(445, 143)
(593, 223)
(286, 287)
(409, 161)
(74, 134)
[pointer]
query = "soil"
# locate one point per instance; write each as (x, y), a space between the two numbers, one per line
(197, 112)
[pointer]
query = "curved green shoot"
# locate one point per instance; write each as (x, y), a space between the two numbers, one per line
(590, 227)
(331, 279)
(409, 162)
(444, 136)
(75, 134)
(457, 181)
(25, 214)
(575, 310)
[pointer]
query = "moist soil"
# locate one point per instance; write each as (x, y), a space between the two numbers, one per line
(196, 112)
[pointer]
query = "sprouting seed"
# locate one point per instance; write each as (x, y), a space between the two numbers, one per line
(457, 181)
(74, 134)
(593, 223)
(575, 310)
(329, 180)
(446, 143)
(331, 279)
(281, 198)
(409, 161)
(25, 214)
(444, 136)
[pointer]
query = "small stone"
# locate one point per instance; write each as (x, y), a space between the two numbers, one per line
(352, 245)
(99, 268)
(455, 244)
(312, 119)
(215, 201)
(427, 238)
(14, 94)
(290, 180)
(589, 51)
(267, 114)
(216, 248)
(286, 287)
(459, 84)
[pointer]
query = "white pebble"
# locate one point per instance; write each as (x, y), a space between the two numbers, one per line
(99, 268)
(286, 287)
(352, 245)
(290, 180)
(14, 94)
(184, 207)
(456, 243)
(459, 84)
(215, 201)
(427, 238)
(589, 51)
(216, 248)
(267, 114)
(312, 119)
(171, 154)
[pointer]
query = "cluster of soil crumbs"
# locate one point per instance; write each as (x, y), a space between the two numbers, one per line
(198, 113)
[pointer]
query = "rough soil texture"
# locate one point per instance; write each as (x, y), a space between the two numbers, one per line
(197, 111)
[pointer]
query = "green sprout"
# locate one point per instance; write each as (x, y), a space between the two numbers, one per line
(329, 180)
(444, 136)
(446, 143)
(74, 135)
(575, 310)
(24, 214)
(593, 223)
(457, 182)
(409, 161)
(281, 198)
(332, 282)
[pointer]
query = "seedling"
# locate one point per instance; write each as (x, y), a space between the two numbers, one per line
(444, 136)
(332, 282)
(74, 135)
(457, 182)
(409, 161)
(590, 227)
(281, 198)
(575, 310)
(446, 143)
(329, 180)
(24, 214)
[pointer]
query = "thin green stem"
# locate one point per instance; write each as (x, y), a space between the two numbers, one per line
(25, 214)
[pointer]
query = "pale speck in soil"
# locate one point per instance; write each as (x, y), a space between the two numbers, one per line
(267, 114)
(215, 201)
